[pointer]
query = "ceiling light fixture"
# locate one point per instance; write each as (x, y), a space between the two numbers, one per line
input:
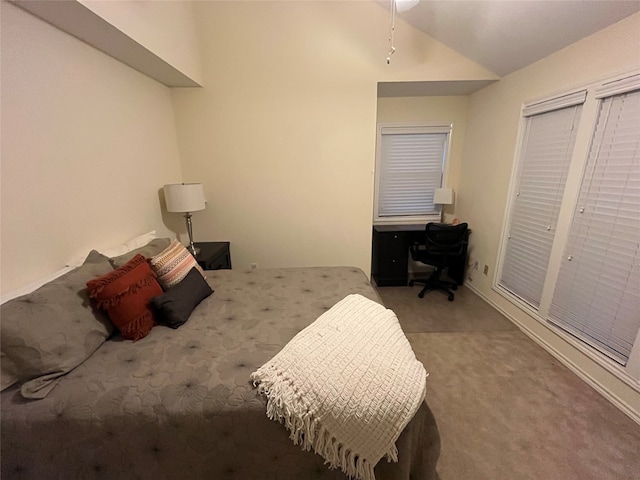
(400, 6)
(392, 28)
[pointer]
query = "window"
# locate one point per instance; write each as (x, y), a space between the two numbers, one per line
(597, 296)
(549, 137)
(409, 167)
(570, 254)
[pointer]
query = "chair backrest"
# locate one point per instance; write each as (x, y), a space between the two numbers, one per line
(446, 240)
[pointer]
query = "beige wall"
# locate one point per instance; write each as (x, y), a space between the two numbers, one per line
(432, 110)
(490, 144)
(283, 135)
(86, 144)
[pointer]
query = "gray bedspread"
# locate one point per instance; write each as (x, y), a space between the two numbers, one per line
(178, 404)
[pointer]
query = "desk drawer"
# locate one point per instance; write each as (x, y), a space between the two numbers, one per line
(389, 261)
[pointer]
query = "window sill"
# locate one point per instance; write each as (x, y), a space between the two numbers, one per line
(407, 220)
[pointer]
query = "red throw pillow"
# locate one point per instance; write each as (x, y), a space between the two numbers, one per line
(125, 294)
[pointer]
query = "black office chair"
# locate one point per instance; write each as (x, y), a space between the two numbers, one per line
(441, 243)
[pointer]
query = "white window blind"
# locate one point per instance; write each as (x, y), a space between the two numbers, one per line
(597, 295)
(542, 173)
(410, 167)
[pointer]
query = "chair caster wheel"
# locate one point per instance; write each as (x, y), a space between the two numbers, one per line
(421, 295)
(411, 283)
(450, 297)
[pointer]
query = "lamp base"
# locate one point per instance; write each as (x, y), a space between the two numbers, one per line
(192, 248)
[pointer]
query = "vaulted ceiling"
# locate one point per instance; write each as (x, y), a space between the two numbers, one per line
(507, 35)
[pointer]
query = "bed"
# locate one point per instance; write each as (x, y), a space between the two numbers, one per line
(179, 403)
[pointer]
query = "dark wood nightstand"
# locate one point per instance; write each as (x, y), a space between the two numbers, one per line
(213, 255)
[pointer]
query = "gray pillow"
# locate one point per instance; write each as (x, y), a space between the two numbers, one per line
(151, 249)
(47, 333)
(174, 307)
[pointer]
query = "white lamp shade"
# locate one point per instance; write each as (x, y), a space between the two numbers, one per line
(443, 196)
(184, 197)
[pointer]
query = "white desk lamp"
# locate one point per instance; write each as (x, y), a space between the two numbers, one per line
(185, 198)
(443, 196)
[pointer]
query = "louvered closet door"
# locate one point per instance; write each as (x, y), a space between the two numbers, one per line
(543, 165)
(597, 295)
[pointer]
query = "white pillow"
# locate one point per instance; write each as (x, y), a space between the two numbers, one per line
(116, 251)
(137, 242)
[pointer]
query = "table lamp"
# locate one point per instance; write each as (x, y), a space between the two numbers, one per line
(443, 196)
(185, 198)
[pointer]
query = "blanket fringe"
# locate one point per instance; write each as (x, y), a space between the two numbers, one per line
(286, 405)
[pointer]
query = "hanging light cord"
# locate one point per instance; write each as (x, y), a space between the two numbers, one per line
(392, 29)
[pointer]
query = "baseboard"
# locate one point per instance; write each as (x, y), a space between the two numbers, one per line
(614, 399)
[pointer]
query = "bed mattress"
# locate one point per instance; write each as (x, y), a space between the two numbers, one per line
(179, 403)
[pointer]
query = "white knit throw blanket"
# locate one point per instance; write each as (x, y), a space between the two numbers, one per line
(346, 386)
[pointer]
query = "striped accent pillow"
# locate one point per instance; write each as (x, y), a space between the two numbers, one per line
(172, 264)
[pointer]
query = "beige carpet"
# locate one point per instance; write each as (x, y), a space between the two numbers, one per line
(506, 409)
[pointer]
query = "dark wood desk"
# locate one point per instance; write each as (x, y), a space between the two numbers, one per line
(390, 255)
